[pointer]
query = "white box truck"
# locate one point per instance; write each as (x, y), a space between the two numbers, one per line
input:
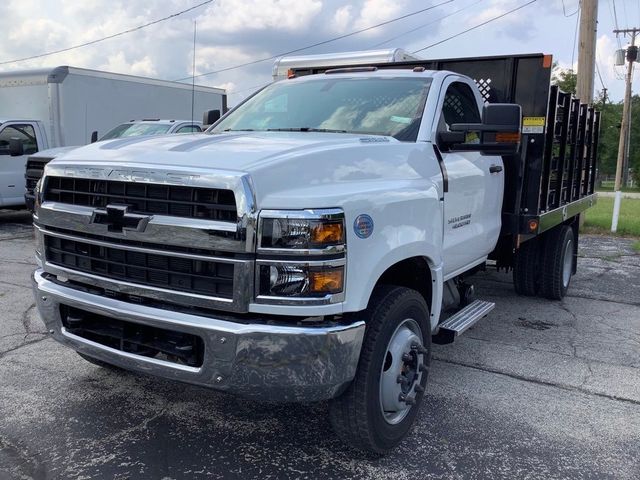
(63, 106)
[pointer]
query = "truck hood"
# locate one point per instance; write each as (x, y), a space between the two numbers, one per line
(279, 163)
(53, 152)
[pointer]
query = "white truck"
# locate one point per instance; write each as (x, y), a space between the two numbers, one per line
(313, 242)
(58, 107)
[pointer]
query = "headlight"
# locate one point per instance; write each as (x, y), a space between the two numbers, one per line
(302, 229)
(301, 280)
(285, 236)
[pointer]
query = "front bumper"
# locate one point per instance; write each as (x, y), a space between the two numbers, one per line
(260, 361)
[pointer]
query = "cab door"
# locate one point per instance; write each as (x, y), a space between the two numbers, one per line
(12, 168)
(473, 200)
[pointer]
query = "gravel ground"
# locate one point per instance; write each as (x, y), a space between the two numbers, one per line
(538, 389)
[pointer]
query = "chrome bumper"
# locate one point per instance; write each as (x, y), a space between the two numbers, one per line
(274, 363)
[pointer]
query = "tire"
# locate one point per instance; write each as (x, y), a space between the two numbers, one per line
(100, 363)
(526, 271)
(557, 262)
(399, 314)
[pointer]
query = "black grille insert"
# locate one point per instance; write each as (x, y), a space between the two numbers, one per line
(145, 198)
(162, 344)
(35, 169)
(210, 278)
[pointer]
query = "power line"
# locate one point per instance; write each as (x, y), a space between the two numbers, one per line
(600, 76)
(564, 10)
(615, 22)
(427, 24)
(93, 42)
(254, 87)
(475, 26)
(273, 57)
(575, 39)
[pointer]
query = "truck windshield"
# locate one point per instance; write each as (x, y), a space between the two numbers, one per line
(375, 106)
(136, 129)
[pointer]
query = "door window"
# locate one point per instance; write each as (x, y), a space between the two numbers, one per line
(189, 129)
(25, 133)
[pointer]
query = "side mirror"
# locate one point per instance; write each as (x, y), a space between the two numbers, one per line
(94, 136)
(498, 134)
(16, 148)
(210, 117)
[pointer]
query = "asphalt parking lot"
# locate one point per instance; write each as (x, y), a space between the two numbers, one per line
(538, 389)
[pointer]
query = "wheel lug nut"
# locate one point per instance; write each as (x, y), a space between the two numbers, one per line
(419, 348)
(406, 357)
(402, 379)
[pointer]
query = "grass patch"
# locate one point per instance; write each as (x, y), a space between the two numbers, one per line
(606, 188)
(636, 246)
(598, 218)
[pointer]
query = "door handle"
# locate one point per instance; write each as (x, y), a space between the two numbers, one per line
(495, 168)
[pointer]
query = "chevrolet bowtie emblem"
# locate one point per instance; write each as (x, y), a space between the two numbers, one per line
(117, 219)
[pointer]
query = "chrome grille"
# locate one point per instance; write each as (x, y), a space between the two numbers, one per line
(144, 198)
(211, 278)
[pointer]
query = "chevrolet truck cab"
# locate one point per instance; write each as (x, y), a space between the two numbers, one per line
(317, 239)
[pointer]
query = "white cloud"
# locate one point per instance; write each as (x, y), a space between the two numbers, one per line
(231, 32)
(342, 18)
(377, 11)
(287, 15)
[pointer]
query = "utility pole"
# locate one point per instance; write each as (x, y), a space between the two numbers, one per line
(586, 55)
(632, 55)
(587, 50)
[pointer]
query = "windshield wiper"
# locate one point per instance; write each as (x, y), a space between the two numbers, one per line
(238, 130)
(306, 129)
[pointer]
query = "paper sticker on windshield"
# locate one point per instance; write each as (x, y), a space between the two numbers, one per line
(405, 120)
(533, 124)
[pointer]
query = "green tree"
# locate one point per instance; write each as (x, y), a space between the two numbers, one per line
(565, 79)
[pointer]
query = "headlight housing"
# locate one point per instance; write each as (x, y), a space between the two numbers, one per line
(286, 236)
(308, 230)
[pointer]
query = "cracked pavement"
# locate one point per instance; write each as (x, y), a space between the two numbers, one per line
(538, 389)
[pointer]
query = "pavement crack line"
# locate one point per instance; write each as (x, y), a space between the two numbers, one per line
(17, 262)
(2, 282)
(26, 344)
(621, 302)
(536, 381)
(25, 319)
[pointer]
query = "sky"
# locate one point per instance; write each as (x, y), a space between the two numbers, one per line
(232, 32)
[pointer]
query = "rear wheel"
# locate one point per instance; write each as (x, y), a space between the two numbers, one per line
(381, 404)
(557, 262)
(526, 272)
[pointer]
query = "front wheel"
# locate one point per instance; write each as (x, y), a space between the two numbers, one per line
(381, 404)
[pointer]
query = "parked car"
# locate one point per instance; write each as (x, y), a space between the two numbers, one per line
(134, 128)
(51, 108)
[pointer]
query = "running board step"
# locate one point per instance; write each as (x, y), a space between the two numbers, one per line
(462, 320)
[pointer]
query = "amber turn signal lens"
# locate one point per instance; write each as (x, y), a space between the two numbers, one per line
(533, 225)
(327, 233)
(326, 281)
(508, 137)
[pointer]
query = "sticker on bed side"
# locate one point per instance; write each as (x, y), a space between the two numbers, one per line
(363, 226)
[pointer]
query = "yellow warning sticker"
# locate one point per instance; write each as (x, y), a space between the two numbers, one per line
(533, 121)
